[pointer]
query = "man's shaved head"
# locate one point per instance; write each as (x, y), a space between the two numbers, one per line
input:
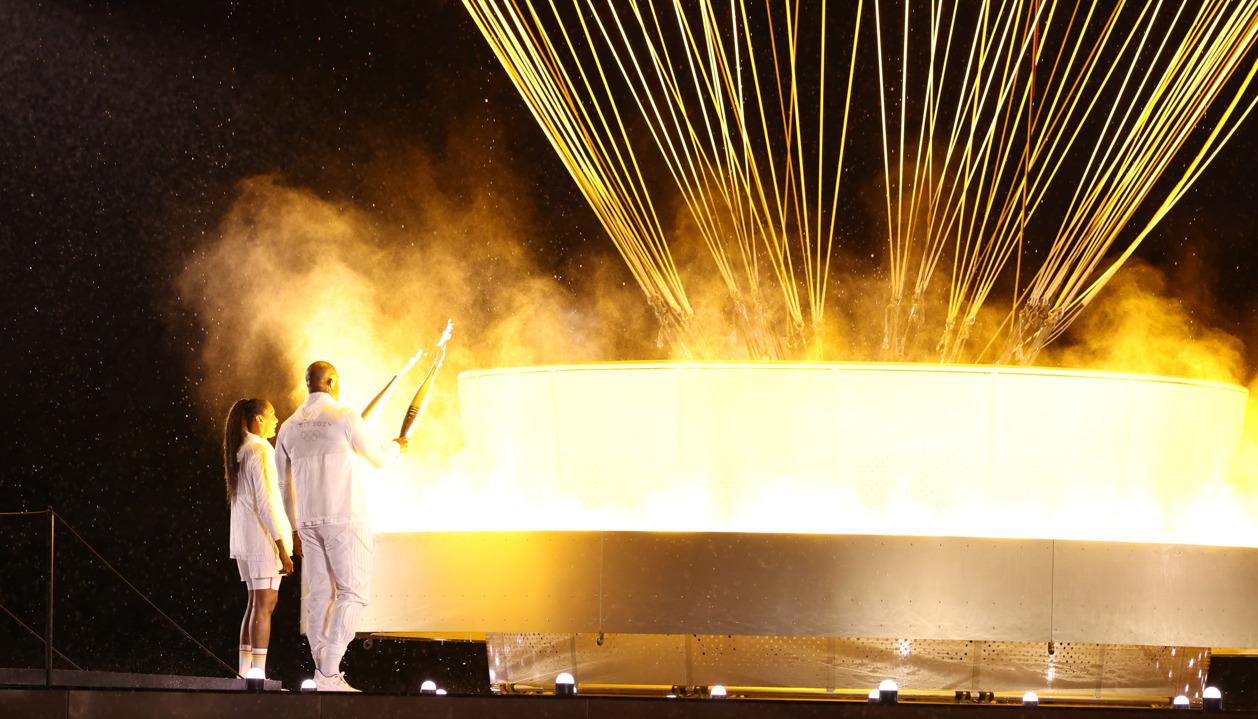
(322, 377)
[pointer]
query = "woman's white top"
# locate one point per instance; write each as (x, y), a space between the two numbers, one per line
(258, 517)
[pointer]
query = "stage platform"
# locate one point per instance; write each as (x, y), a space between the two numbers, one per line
(65, 703)
(121, 680)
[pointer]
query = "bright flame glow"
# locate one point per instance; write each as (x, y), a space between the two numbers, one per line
(366, 305)
(1030, 698)
(1212, 693)
(836, 448)
(888, 685)
(255, 673)
(307, 684)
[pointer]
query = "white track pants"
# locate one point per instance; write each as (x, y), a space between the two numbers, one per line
(336, 566)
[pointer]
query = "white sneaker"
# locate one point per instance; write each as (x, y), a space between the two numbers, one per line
(334, 683)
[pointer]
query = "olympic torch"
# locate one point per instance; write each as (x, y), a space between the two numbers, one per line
(420, 401)
(387, 392)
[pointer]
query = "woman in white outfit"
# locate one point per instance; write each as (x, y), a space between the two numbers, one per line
(260, 530)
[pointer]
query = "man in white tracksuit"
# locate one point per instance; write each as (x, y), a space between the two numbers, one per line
(321, 480)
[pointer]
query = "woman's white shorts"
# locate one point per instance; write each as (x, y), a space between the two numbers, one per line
(259, 573)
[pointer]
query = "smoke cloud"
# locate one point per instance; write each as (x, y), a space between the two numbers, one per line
(292, 275)
(1137, 325)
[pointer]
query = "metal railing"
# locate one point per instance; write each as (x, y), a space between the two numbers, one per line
(50, 600)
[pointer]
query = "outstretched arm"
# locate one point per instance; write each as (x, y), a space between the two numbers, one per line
(375, 453)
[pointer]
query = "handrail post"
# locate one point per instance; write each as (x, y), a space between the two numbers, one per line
(52, 555)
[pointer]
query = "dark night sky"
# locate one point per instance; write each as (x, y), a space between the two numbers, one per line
(123, 130)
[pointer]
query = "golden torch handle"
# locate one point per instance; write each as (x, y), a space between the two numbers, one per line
(384, 393)
(420, 401)
(387, 392)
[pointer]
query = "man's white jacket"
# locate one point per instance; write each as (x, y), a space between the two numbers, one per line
(257, 516)
(316, 454)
